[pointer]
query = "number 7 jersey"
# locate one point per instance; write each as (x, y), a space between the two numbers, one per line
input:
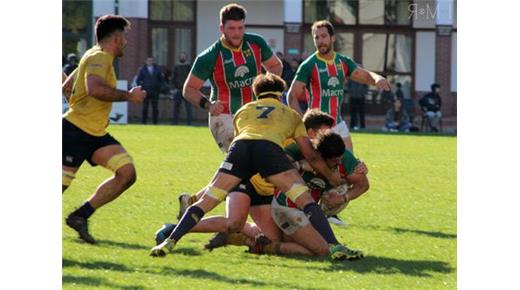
(267, 119)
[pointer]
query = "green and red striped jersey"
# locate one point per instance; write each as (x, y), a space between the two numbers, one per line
(231, 71)
(325, 81)
(316, 183)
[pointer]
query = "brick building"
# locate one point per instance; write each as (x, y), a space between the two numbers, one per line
(413, 42)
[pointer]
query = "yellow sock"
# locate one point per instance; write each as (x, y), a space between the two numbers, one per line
(237, 239)
(193, 199)
(272, 248)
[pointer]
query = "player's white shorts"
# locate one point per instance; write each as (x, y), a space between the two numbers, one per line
(221, 128)
(288, 219)
(341, 129)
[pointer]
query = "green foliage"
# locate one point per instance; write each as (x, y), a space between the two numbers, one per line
(406, 223)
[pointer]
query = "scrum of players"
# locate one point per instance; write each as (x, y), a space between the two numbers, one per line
(287, 171)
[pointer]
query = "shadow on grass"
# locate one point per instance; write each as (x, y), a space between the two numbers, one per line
(203, 274)
(386, 266)
(99, 265)
(187, 251)
(426, 233)
(432, 234)
(97, 282)
(123, 245)
(371, 264)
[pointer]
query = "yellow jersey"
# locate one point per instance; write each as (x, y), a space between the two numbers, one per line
(267, 119)
(86, 112)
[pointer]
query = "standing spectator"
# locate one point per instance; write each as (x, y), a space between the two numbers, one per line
(180, 73)
(431, 106)
(287, 72)
(396, 118)
(151, 79)
(72, 64)
(358, 92)
(399, 92)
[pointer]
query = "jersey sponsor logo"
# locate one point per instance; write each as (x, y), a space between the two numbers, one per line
(317, 183)
(333, 81)
(331, 93)
(241, 71)
(240, 84)
(69, 158)
(324, 70)
(228, 61)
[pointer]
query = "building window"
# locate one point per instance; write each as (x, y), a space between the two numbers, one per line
(172, 10)
(76, 27)
(172, 31)
(384, 12)
(387, 52)
(336, 11)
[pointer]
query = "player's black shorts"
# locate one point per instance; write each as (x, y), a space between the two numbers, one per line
(256, 199)
(77, 145)
(248, 157)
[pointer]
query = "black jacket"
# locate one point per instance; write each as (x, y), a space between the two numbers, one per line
(150, 82)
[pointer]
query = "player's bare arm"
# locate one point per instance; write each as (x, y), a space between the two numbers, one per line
(367, 77)
(314, 158)
(296, 91)
(98, 88)
(358, 185)
(67, 84)
(273, 65)
(191, 92)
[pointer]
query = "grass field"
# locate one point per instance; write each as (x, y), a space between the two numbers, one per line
(406, 224)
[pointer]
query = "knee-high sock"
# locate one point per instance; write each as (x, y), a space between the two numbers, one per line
(190, 218)
(319, 222)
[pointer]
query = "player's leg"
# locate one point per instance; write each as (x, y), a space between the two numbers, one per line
(342, 130)
(214, 194)
(68, 174)
(155, 109)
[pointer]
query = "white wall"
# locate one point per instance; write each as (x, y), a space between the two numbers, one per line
(258, 12)
(293, 11)
(274, 37)
(454, 62)
(102, 7)
(133, 8)
(424, 60)
(127, 8)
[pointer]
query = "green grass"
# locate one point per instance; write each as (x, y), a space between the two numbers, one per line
(406, 223)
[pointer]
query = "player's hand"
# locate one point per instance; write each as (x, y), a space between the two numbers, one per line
(216, 108)
(332, 199)
(382, 84)
(136, 95)
(361, 168)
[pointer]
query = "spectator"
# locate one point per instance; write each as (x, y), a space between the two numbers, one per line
(397, 119)
(431, 107)
(399, 92)
(287, 71)
(151, 79)
(358, 92)
(72, 64)
(180, 73)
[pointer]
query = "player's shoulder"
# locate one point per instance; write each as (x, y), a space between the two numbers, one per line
(211, 51)
(254, 37)
(310, 60)
(98, 54)
(345, 58)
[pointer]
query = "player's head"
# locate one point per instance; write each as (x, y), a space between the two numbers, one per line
(323, 36)
(112, 28)
(316, 121)
(268, 86)
(435, 87)
(232, 23)
(331, 147)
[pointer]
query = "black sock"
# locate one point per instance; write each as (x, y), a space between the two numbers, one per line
(85, 210)
(190, 218)
(319, 222)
